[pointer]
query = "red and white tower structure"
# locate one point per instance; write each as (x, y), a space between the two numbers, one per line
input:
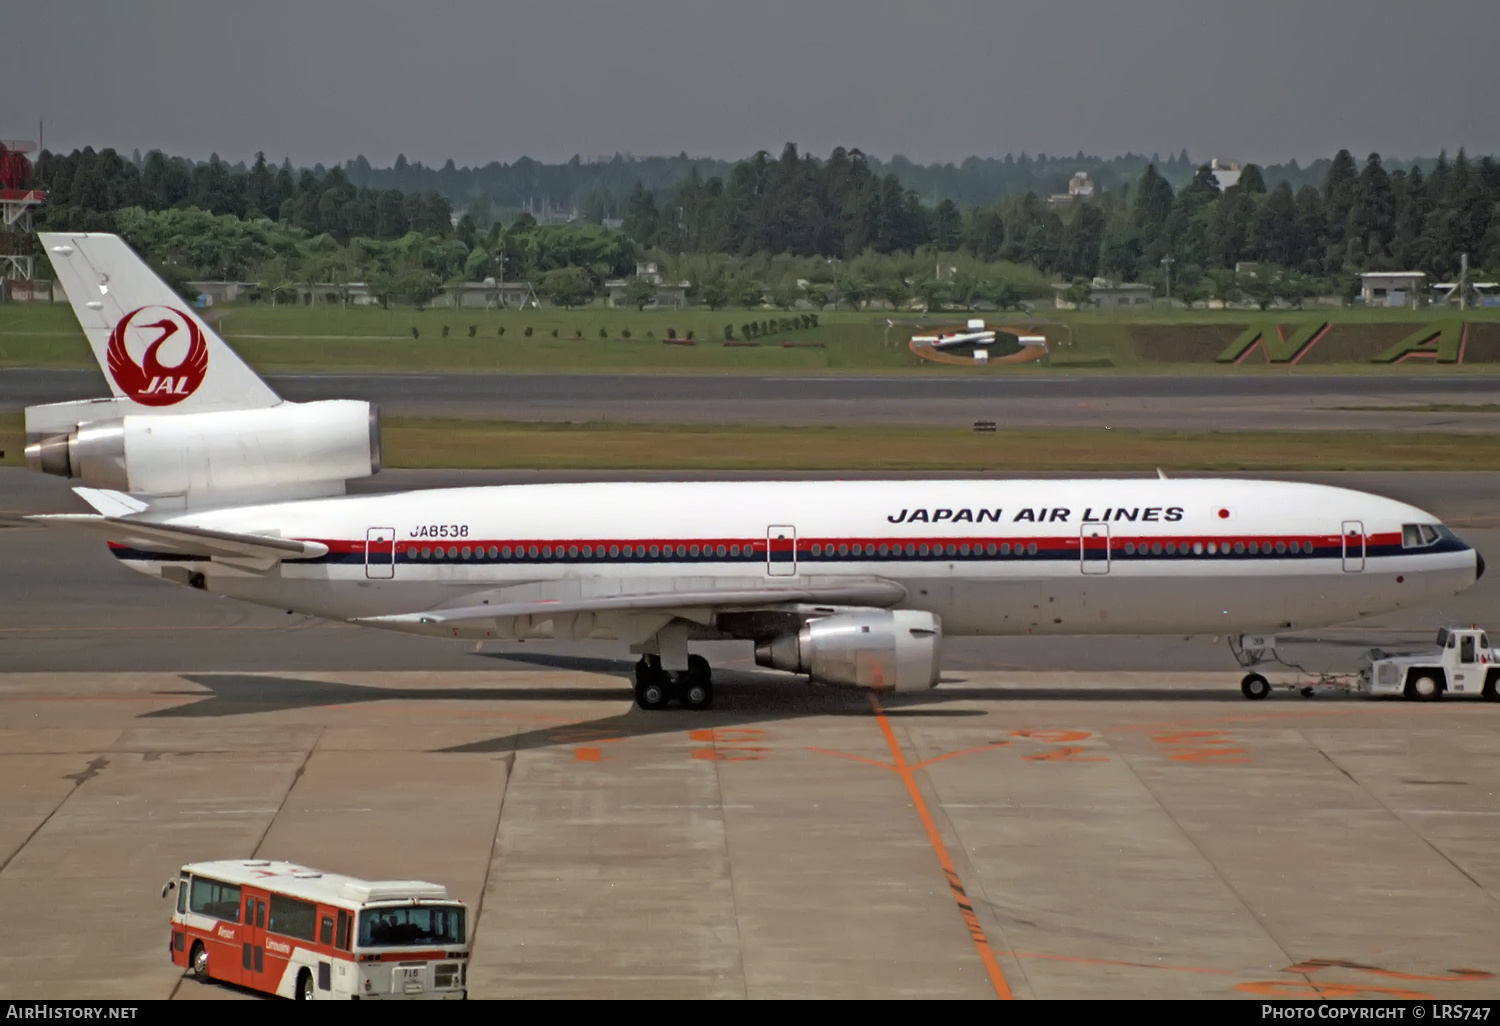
(17, 204)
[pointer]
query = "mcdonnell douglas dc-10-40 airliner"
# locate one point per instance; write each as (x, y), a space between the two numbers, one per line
(203, 476)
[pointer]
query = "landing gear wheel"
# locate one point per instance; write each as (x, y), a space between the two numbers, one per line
(652, 684)
(1422, 687)
(1255, 687)
(198, 962)
(695, 688)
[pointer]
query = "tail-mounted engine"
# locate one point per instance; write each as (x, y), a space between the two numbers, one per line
(290, 446)
(892, 650)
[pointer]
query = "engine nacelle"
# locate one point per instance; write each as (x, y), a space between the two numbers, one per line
(290, 444)
(890, 650)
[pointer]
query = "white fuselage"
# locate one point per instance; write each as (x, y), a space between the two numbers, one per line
(1119, 556)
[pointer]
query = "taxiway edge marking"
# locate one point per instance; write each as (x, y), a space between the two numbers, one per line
(955, 884)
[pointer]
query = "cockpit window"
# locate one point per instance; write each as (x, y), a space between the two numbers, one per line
(1418, 536)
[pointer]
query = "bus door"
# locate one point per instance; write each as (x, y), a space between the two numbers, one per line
(253, 942)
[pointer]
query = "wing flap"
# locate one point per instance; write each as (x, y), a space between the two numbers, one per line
(180, 539)
(876, 592)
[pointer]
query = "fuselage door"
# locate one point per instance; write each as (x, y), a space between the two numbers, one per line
(1354, 546)
(1093, 548)
(781, 550)
(380, 553)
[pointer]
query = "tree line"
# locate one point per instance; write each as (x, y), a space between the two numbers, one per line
(1362, 218)
(85, 188)
(725, 233)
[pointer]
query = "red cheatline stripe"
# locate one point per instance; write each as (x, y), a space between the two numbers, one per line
(708, 547)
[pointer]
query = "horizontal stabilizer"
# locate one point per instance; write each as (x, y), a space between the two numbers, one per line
(864, 593)
(111, 503)
(179, 539)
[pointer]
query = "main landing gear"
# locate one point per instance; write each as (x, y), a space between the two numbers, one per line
(655, 687)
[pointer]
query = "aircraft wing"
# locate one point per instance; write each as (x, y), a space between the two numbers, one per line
(871, 592)
(183, 540)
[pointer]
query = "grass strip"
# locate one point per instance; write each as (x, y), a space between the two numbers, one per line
(441, 443)
(421, 443)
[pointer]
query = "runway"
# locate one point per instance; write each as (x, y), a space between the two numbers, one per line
(1102, 819)
(1220, 402)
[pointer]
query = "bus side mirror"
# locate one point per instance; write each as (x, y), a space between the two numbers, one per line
(170, 885)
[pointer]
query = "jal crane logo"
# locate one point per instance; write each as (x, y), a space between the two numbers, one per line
(158, 333)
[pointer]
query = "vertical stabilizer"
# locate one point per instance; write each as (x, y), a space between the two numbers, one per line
(156, 353)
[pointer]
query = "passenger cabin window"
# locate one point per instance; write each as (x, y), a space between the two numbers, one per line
(212, 898)
(1418, 536)
(293, 918)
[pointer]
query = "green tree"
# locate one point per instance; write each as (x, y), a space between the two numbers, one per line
(785, 296)
(747, 293)
(894, 291)
(567, 286)
(714, 291)
(639, 292)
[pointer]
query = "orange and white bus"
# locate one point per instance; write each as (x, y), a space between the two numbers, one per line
(304, 934)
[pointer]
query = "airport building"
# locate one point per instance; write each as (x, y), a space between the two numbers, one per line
(1106, 295)
(1392, 288)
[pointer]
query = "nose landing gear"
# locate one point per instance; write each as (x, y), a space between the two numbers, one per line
(655, 686)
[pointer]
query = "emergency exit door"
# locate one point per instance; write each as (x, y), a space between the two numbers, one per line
(781, 550)
(1093, 548)
(380, 553)
(1354, 546)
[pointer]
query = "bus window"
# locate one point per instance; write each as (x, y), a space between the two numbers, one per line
(342, 941)
(325, 935)
(212, 898)
(182, 893)
(398, 927)
(293, 918)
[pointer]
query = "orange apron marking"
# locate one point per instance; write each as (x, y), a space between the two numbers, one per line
(1110, 961)
(954, 755)
(1292, 989)
(960, 896)
(1312, 965)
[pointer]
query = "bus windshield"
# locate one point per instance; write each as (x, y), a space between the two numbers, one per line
(409, 925)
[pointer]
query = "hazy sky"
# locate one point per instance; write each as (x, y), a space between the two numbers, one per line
(936, 80)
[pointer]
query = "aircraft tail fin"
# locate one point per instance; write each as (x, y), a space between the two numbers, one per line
(156, 353)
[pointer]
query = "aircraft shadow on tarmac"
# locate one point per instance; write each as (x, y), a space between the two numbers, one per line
(742, 698)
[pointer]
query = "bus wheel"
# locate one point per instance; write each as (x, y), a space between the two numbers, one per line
(304, 986)
(198, 961)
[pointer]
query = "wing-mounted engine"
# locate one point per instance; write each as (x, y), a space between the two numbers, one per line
(282, 451)
(887, 649)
